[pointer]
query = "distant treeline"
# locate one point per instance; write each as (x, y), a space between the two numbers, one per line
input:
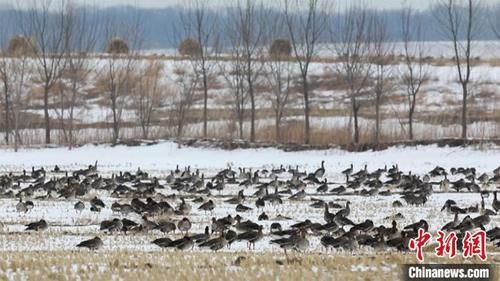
(158, 25)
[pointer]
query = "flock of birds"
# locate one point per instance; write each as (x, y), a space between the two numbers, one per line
(165, 204)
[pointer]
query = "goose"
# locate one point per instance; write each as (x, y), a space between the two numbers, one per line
(215, 243)
(251, 237)
(278, 171)
(184, 225)
(365, 226)
(346, 211)
(230, 237)
(236, 200)
(246, 225)
(485, 210)
(342, 221)
(275, 227)
(116, 226)
(329, 217)
(21, 206)
(330, 227)
(242, 208)
(400, 243)
(300, 195)
(451, 225)
(347, 172)
(92, 244)
(217, 226)
(481, 220)
(338, 190)
(166, 226)
(207, 206)
(415, 226)
(296, 241)
(202, 237)
(130, 225)
(260, 203)
(96, 202)
(465, 225)
(162, 242)
(397, 204)
(183, 243)
(347, 241)
(263, 217)
(147, 224)
(496, 203)
(183, 208)
(302, 225)
(317, 203)
(37, 226)
(219, 243)
(321, 171)
(323, 187)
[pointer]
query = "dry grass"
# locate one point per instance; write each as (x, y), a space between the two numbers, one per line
(167, 265)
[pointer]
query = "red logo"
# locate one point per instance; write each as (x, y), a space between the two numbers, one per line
(473, 244)
(447, 244)
(420, 242)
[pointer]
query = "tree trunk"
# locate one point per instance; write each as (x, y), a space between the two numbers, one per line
(205, 103)
(252, 101)
(306, 109)
(377, 119)
(116, 127)
(7, 110)
(356, 128)
(277, 129)
(46, 113)
(464, 112)
(410, 125)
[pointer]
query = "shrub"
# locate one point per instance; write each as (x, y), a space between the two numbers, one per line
(189, 47)
(20, 45)
(117, 46)
(280, 48)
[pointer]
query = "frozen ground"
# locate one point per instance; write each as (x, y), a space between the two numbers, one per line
(67, 228)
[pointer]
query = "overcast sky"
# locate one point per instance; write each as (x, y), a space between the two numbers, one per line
(383, 4)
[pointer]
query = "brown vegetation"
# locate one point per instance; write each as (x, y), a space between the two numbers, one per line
(117, 46)
(189, 47)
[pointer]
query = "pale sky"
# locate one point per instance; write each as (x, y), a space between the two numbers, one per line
(383, 4)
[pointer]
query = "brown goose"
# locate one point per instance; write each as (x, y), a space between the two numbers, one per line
(496, 203)
(184, 225)
(251, 237)
(92, 244)
(37, 226)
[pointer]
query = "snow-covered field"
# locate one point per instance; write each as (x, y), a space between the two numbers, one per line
(67, 227)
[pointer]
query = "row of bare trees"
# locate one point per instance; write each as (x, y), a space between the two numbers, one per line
(62, 39)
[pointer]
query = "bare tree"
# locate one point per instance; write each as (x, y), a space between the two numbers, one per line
(249, 23)
(460, 21)
(234, 76)
(21, 71)
(80, 38)
(4, 78)
(198, 26)
(279, 73)
(381, 58)
(305, 29)
(45, 21)
(186, 84)
(148, 93)
(123, 39)
(415, 71)
(352, 45)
